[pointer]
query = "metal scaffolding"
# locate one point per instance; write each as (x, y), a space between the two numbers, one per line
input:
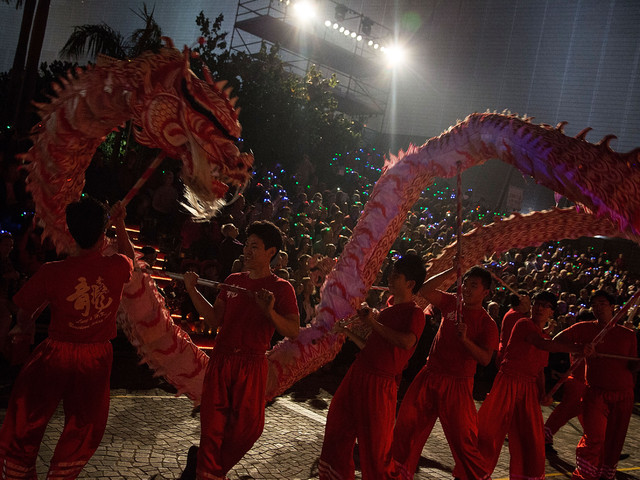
(354, 57)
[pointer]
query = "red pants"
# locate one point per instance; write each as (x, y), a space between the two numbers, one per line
(606, 417)
(364, 407)
(232, 411)
(76, 373)
(568, 408)
(429, 397)
(513, 408)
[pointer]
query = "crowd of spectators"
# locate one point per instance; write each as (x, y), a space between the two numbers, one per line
(317, 217)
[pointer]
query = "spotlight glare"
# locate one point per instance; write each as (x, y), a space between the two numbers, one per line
(304, 10)
(327, 23)
(376, 46)
(396, 55)
(370, 42)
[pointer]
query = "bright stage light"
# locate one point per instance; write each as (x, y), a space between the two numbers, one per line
(370, 42)
(396, 55)
(335, 26)
(304, 10)
(341, 29)
(376, 46)
(346, 33)
(353, 34)
(327, 23)
(359, 38)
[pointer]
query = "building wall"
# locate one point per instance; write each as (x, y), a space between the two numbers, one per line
(574, 61)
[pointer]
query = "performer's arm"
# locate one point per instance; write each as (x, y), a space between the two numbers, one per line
(480, 353)
(405, 340)
(357, 339)
(26, 322)
(554, 346)
(429, 287)
(125, 247)
(286, 325)
(212, 314)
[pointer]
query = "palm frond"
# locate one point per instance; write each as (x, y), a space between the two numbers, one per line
(18, 3)
(147, 38)
(94, 39)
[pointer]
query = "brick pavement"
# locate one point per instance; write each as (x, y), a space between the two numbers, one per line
(149, 433)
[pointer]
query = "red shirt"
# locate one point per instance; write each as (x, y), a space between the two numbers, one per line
(245, 328)
(602, 372)
(448, 355)
(521, 358)
(508, 321)
(84, 293)
(378, 354)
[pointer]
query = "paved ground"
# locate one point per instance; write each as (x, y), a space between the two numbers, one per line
(150, 431)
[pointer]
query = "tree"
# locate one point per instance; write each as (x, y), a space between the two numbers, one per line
(101, 38)
(284, 116)
(24, 73)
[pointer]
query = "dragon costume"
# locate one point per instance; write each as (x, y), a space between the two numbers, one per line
(195, 121)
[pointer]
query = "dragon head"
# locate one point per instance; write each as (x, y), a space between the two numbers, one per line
(196, 121)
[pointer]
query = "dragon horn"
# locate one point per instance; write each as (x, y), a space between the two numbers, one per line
(238, 111)
(207, 75)
(227, 91)
(606, 139)
(220, 85)
(583, 133)
(233, 101)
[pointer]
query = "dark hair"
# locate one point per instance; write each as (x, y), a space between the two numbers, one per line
(514, 300)
(585, 315)
(411, 266)
(266, 231)
(87, 220)
(604, 294)
(546, 296)
(478, 272)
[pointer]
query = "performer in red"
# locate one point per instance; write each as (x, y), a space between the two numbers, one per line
(513, 405)
(520, 308)
(443, 388)
(364, 406)
(572, 392)
(233, 395)
(74, 363)
(608, 399)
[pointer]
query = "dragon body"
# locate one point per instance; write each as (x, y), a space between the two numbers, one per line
(170, 108)
(195, 121)
(604, 183)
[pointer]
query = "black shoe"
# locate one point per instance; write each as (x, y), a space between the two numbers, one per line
(624, 456)
(189, 472)
(549, 450)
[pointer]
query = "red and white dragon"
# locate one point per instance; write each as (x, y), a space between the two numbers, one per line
(195, 121)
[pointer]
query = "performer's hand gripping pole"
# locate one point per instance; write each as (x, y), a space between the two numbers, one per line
(210, 283)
